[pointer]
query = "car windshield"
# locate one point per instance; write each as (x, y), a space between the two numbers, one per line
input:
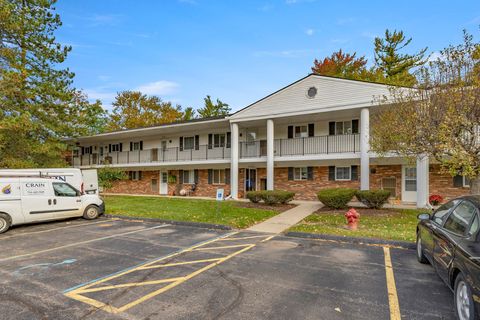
(459, 220)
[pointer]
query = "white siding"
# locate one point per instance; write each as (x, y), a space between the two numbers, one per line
(331, 93)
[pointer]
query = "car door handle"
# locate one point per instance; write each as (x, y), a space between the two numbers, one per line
(49, 202)
(54, 201)
(79, 200)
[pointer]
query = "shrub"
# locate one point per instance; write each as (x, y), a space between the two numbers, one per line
(336, 198)
(373, 199)
(108, 175)
(254, 196)
(435, 199)
(271, 196)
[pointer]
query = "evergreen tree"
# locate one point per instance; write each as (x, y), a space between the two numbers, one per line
(397, 67)
(212, 109)
(38, 105)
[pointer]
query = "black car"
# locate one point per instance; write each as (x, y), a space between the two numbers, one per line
(450, 240)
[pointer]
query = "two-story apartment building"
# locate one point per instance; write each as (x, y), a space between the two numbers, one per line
(309, 135)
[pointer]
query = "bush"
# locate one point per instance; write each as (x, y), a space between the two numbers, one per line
(271, 196)
(108, 175)
(336, 198)
(254, 196)
(373, 199)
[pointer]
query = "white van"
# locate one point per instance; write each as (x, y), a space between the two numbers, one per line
(35, 199)
(85, 180)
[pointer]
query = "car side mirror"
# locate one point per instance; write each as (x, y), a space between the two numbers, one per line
(423, 216)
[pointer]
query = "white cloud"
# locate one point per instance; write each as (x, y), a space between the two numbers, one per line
(309, 32)
(298, 1)
(434, 56)
(369, 35)
(267, 7)
(104, 78)
(344, 21)
(104, 96)
(161, 87)
(188, 1)
(97, 20)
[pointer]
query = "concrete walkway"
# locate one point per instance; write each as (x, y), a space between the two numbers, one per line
(288, 218)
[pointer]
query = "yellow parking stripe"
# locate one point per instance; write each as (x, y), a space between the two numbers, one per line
(174, 284)
(391, 287)
(170, 283)
(223, 247)
(134, 284)
(178, 264)
(241, 238)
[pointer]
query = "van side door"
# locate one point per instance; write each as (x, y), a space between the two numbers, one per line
(67, 201)
(37, 200)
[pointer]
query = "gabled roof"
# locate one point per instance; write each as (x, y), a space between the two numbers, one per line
(332, 94)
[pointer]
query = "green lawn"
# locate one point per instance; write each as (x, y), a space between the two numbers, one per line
(210, 211)
(390, 224)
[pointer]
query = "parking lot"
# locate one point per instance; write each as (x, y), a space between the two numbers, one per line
(134, 269)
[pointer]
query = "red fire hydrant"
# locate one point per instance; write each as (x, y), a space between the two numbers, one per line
(352, 218)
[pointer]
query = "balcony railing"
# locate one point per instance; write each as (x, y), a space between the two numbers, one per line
(203, 152)
(347, 143)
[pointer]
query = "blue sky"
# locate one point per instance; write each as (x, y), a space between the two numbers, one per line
(238, 51)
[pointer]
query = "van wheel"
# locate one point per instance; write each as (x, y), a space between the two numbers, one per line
(91, 212)
(5, 222)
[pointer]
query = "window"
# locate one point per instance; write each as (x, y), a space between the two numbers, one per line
(218, 176)
(300, 173)
(135, 175)
(251, 136)
(442, 212)
(390, 184)
(410, 179)
(342, 173)
(474, 227)
(64, 190)
(466, 182)
(343, 127)
(301, 131)
(135, 146)
(116, 147)
(188, 143)
(188, 177)
(459, 220)
(219, 140)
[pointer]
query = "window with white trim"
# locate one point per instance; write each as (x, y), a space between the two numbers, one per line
(218, 176)
(188, 177)
(188, 143)
(135, 146)
(116, 147)
(219, 140)
(301, 131)
(343, 127)
(466, 182)
(300, 173)
(343, 173)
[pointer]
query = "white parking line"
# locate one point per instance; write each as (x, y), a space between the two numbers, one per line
(54, 229)
(81, 243)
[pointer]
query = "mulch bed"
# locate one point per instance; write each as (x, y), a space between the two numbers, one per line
(276, 207)
(362, 211)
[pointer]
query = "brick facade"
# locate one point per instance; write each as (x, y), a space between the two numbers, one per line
(440, 183)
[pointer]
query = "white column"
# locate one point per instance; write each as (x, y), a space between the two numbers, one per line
(234, 162)
(364, 148)
(422, 181)
(270, 154)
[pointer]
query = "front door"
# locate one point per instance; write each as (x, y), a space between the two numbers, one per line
(250, 180)
(409, 184)
(164, 182)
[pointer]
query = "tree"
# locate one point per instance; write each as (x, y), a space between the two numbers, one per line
(189, 114)
(395, 66)
(441, 117)
(344, 65)
(38, 105)
(133, 109)
(211, 109)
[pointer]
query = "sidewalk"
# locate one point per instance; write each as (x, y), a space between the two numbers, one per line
(288, 218)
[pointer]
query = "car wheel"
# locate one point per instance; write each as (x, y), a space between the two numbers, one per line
(5, 222)
(91, 212)
(420, 255)
(464, 307)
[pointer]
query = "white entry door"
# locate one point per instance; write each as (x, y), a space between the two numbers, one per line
(409, 184)
(164, 182)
